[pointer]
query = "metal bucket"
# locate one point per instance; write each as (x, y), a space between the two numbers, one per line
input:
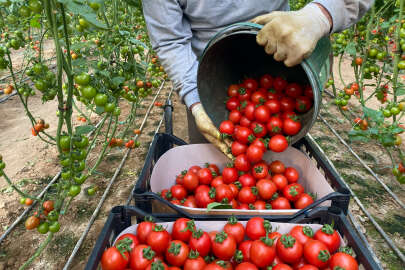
(233, 54)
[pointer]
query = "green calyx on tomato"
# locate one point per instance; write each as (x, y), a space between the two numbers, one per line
(328, 229)
(324, 255)
(267, 240)
(287, 240)
(308, 231)
(232, 220)
(221, 237)
(174, 248)
(148, 253)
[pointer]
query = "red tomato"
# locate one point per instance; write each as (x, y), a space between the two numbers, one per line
(235, 116)
(235, 229)
(182, 229)
(280, 181)
(262, 114)
(278, 143)
(242, 134)
(291, 127)
(229, 175)
(143, 229)
(266, 189)
(293, 90)
(275, 236)
(244, 94)
(316, 253)
(194, 169)
(238, 148)
(203, 196)
(257, 227)
(250, 84)
(247, 180)
(247, 195)
(243, 206)
(201, 242)
(177, 253)
(235, 190)
(227, 127)
(217, 181)
(178, 192)
(260, 170)
(158, 239)
(302, 233)
(280, 203)
(259, 130)
(190, 202)
(213, 168)
(244, 122)
(249, 111)
(204, 176)
(286, 115)
(344, 261)
(279, 84)
(141, 257)
(132, 237)
(293, 191)
(308, 92)
(329, 236)
(244, 247)
(303, 104)
(223, 193)
(190, 182)
(272, 94)
(303, 201)
(266, 81)
(258, 97)
(260, 143)
(219, 265)
(246, 266)
(287, 104)
(232, 103)
(291, 174)
(262, 252)
(254, 153)
(180, 178)
(224, 246)
(195, 262)
(277, 167)
(233, 90)
(242, 163)
(275, 125)
(308, 267)
(157, 264)
(289, 249)
(261, 205)
(282, 266)
(112, 259)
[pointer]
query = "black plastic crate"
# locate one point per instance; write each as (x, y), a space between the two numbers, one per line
(121, 217)
(144, 198)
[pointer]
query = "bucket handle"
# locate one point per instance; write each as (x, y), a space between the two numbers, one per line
(229, 27)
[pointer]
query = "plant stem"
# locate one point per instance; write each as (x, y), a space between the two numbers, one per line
(19, 191)
(397, 53)
(38, 251)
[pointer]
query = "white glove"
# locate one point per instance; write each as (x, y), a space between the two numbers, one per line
(209, 131)
(292, 35)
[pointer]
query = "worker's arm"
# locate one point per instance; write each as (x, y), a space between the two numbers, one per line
(292, 36)
(170, 34)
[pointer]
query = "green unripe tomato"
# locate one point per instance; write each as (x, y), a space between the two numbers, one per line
(43, 228)
(22, 200)
(80, 179)
(65, 162)
(401, 64)
(395, 110)
(54, 227)
(89, 92)
(64, 142)
(91, 191)
(74, 190)
(83, 23)
(117, 111)
(53, 215)
(79, 166)
(35, 6)
(66, 175)
(387, 113)
(101, 99)
(82, 79)
(83, 142)
(109, 107)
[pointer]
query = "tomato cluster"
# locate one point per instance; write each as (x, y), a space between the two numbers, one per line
(264, 111)
(45, 221)
(241, 185)
(39, 126)
(236, 246)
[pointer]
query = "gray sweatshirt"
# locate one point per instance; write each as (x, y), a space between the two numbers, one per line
(180, 29)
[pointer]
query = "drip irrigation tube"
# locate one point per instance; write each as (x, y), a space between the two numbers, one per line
(112, 180)
(393, 195)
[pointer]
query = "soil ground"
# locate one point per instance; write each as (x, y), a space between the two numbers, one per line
(31, 164)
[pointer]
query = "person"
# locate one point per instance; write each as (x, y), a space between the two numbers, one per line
(180, 29)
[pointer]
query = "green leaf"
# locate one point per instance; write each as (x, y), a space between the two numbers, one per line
(92, 18)
(217, 205)
(351, 48)
(385, 25)
(376, 116)
(118, 80)
(82, 130)
(78, 46)
(137, 42)
(82, 9)
(35, 22)
(358, 135)
(99, 110)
